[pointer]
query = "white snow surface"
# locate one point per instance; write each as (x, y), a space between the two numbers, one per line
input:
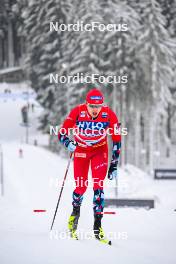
(33, 182)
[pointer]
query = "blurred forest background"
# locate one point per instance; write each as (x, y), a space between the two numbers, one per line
(146, 53)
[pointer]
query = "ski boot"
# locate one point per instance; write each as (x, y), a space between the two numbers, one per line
(98, 230)
(73, 222)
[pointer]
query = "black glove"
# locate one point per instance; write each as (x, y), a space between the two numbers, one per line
(112, 172)
(68, 143)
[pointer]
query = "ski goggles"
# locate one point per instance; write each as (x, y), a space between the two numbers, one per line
(95, 105)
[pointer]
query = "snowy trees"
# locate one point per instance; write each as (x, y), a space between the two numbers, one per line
(157, 48)
(7, 34)
(120, 58)
(144, 53)
(43, 51)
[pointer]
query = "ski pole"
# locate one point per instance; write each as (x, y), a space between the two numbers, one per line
(61, 190)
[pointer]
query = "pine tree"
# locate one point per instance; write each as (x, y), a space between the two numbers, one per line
(120, 59)
(44, 48)
(80, 49)
(156, 51)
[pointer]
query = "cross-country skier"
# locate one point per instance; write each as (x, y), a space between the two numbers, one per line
(91, 122)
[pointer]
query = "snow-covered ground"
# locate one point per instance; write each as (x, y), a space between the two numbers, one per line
(33, 182)
(11, 128)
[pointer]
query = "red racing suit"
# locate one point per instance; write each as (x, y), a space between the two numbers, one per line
(92, 148)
